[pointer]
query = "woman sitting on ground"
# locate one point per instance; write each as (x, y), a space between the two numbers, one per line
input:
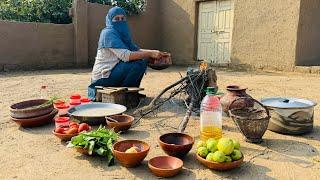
(119, 62)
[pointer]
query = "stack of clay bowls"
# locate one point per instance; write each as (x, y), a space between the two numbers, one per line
(33, 113)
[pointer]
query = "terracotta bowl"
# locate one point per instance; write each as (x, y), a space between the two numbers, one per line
(220, 166)
(124, 122)
(165, 166)
(37, 121)
(130, 159)
(160, 64)
(30, 109)
(64, 137)
(176, 144)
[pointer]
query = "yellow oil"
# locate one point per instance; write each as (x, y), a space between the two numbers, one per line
(207, 132)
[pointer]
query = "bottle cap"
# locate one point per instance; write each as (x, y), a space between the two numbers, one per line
(211, 90)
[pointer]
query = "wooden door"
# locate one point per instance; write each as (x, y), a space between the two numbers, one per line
(215, 30)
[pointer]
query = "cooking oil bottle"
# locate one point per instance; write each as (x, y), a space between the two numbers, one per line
(210, 116)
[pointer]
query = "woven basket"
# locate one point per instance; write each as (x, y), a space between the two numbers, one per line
(252, 122)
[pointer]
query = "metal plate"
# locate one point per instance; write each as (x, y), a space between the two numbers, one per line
(96, 110)
(287, 103)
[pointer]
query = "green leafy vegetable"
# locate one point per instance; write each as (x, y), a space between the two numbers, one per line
(96, 142)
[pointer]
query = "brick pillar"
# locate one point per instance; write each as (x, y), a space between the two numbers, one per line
(80, 21)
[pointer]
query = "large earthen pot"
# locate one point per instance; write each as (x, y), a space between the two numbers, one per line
(234, 92)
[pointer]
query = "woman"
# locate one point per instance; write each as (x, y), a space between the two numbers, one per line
(119, 62)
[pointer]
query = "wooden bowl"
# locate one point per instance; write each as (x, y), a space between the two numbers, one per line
(124, 122)
(165, 166)
(130, 159)
(30, 109)
(220, 166)
(37, 121)
(176, 144)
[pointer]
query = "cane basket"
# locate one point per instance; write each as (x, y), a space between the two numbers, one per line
(252, 122)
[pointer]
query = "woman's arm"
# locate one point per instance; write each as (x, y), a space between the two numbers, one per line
(127, 55)
(144, 54)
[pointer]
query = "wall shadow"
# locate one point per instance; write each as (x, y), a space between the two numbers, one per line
(177, 30)
(308, 36)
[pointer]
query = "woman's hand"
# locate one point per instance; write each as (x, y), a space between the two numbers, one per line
(155, 54)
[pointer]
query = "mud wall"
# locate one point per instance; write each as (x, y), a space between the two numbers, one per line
(265, 33)
(35, 46)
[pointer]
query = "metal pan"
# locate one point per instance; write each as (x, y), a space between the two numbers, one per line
(95, 113)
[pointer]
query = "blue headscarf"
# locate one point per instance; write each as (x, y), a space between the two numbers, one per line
(116, 34)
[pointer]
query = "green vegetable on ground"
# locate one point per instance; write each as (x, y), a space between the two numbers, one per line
(97, 142)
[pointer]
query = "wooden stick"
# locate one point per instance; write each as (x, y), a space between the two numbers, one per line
(185, 120)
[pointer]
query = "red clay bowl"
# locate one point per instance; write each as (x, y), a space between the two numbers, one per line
(130, 159)
(124, 122)
(165, 166)
(64, 137)
(30, 108)
(220, 166)
(176, 144)
(37, 121)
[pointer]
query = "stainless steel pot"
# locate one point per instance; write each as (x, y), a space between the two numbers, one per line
(290, 115)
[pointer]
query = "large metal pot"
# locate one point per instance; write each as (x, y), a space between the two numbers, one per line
(290, 115)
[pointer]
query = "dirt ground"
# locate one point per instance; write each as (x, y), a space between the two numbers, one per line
(35, 153)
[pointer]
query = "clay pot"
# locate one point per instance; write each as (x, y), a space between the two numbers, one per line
(234, 92)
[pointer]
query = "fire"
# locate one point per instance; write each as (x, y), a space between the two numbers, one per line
(203, 66)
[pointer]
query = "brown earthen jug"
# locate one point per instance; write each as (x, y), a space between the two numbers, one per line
(233, 92)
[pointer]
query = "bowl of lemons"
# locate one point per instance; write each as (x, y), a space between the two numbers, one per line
(221, 155)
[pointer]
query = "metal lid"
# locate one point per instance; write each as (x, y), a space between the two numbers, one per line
(287, 103)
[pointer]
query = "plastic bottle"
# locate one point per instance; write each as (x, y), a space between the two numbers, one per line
(210, 116)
